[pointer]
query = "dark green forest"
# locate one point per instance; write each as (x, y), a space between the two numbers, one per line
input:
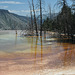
(64, 22)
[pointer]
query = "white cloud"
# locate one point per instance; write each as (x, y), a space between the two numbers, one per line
(13, 11)
(22, 11)
(10, 2)
(3, 7)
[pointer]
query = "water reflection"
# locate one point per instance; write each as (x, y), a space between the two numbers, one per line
(31, 45)
(39, 50)
(15, 40)
(67, 56)
(36, 47)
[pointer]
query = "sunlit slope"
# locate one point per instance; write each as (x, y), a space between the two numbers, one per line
(11, 21)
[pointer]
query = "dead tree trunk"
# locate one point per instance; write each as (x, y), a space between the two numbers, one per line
(35, 19)
(40, 17)
(49, 11)
(31, 17)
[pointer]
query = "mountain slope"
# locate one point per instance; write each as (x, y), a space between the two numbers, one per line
(12, 21)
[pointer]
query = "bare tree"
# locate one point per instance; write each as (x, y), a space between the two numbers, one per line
(35, 19)
(40, 2)
(31, 23)
(73, 6)
(49, 11)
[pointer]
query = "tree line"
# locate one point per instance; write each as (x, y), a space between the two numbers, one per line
(63, 23)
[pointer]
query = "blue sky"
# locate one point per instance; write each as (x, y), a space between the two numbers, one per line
(21, 7)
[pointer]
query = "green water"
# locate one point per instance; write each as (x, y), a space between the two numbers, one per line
(10, 42)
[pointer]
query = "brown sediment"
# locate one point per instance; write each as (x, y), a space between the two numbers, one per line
(34, 59)
(36, 62)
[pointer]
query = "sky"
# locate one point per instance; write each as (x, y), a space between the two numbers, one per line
(21, 7)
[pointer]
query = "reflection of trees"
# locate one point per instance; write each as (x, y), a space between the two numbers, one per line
(31, 45)
(41, 49)
(36, 53)
(36, 47)
(45, 35)
(67, 55)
